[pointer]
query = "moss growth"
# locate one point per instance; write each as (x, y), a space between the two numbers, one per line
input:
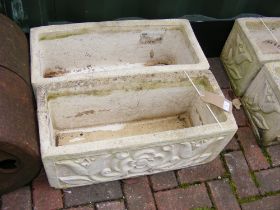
(267, 156)
(233, 187)
(249, 199)
(55, 95)
(257, 197)
(272, 193)
(204, 208)
(254, 178)
(184, 185)
(99, 28)
(227, 175)
(202, 82)
(61, 35)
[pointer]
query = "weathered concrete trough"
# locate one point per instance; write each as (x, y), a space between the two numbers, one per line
(65, 52)
(114, 100)
(261, 102)
(101, 129)
(251, 43)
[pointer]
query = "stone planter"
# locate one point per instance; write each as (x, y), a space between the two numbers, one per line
(66, 52)
(261, 102)
(249, 46)
(101, 129)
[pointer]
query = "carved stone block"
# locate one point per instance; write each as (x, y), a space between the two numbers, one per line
(261, 102)
(251, 44)
(100, 129)
(68, 52)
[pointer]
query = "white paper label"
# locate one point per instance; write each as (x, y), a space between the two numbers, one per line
(226, 105)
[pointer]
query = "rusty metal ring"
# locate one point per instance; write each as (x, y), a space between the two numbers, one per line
(8, 163)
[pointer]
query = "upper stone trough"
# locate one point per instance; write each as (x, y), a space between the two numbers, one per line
(69, 52)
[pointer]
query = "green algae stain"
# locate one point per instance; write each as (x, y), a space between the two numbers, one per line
(55, 95)
(201, 82)
(61, 35)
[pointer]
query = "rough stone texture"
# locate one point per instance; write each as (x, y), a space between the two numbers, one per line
(222, 195)
(18, 199)
(232, 145)
(218, 70)
(44, 196)
(240, 174)
(274, 152)
(202, 172)
(192, 197)
(262, 103)
(252, 151)
(267, 203)
(92, 193)
(138, 194)
(269, 180)
(111, 205)
(163, 181)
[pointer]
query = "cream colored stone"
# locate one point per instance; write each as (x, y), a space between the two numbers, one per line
(114, 102)
(250, 44)
(75, 51)
(261, 102)
(99, 129)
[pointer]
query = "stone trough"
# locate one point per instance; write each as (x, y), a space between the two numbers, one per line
(63, 52)
(102, 129)
(114, 100)
(261, 102)
(251, 43)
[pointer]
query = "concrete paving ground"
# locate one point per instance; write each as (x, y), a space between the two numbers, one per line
(244, 176)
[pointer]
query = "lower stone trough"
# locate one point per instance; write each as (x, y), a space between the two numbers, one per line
(109, 128)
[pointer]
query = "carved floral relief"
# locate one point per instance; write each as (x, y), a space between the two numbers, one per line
(236, 57)
(136, 162)
(260, 104)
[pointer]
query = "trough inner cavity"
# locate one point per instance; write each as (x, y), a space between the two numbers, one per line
(266, 35)
(123, 108)
(87, 50)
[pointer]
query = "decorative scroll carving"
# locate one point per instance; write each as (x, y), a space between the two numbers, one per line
(136, 162)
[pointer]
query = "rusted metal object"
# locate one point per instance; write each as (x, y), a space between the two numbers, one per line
(14, 48)
(19, 153)
(19, 149)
